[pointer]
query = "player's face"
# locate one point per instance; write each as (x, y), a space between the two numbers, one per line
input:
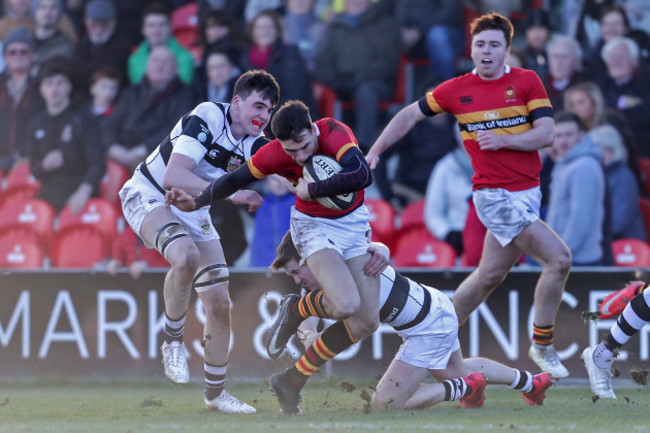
(252, 113)
(301, 275)
(489, 53)
(302, 147)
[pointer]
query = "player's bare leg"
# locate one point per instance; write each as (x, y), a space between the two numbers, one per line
(540, 242)
(211, 284)
(495, 263)
(183, 257)
(366, 319)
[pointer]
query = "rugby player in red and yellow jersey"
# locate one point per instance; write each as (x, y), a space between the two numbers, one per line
(334, 243)
(505, 117)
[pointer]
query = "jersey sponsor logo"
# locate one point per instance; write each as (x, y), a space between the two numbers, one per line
(494, 124)
(464, 100)
(392, 315)
(152, 201)
(213, 153)
(491, 115)
(202, 137)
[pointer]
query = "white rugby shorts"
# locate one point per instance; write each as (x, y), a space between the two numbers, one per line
(507, 213)
(349, 234)
(139, 197)
(431, 342)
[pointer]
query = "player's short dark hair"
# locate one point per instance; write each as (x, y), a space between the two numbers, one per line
(56, 65)
(493, 21)
(567, 117)
(260, 81)
(285, 252)
(291, 119)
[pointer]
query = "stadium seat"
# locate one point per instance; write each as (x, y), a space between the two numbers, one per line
(34, 215)
(98, 214)
(382, 220)
(631, 252)
(326, 99)
(412, 217)
(185, 27)
(20, 185)
(78, 247)
(418, 248)
(20, 249)
(116, 175)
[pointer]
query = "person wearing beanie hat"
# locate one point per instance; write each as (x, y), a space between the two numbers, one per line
(18, 34)
(49, 41)
(19, 97)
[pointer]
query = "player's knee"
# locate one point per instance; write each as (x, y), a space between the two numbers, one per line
(489, 279)
(185, 259)
(369, 325)
(384, 401)
(217, 303)
(561, 261)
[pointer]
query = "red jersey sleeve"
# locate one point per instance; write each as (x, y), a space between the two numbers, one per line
(335, 138)
(537, 101)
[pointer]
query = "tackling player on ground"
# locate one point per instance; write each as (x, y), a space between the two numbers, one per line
(505, 117)
(425, 319)
(333, 242)
(211, 140)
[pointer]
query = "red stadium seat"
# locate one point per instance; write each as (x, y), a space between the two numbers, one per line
(631, 252)
(35, 215)
(412, 216)
(326, 99)
(20, 185)
(116, 175)
(185, 27)
(78, 247)
(382, 220)
(20, 249)
(418, 248)
(98, 214)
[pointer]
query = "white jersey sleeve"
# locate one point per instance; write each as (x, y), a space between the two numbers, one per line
(203, 124)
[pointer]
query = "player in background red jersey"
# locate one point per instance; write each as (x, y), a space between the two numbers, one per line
(505, 117)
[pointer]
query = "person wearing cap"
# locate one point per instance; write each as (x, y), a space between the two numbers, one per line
(101, 46)
(19, 98)
(157, 31)
(49, 41)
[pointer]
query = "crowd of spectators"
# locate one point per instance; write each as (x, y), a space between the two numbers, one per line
(86, 81)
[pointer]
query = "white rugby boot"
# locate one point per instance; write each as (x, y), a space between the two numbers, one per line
(600, 379)
(547, 360)
(228, 404)
(174, 360)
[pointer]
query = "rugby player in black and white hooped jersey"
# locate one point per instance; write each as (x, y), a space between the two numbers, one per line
(210, 141)
(426, 320)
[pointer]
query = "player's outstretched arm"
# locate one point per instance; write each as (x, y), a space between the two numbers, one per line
(397, 128)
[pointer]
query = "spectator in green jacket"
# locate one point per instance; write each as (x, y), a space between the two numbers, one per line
(157, 31)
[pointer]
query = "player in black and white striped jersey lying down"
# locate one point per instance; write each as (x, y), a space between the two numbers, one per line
(425, 319)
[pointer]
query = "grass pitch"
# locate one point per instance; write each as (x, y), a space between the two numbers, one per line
(328, 406)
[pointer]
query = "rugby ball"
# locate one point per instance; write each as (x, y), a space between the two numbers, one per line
(322, 167)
